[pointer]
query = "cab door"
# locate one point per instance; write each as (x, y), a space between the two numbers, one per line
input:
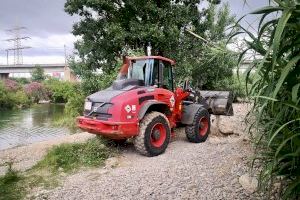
(166, 76)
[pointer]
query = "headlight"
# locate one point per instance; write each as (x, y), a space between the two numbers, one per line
(88, 105)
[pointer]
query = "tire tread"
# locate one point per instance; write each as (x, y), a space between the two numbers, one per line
(139, 141)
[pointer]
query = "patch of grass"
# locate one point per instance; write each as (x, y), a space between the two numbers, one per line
(68, 157)
(10, 185)
(46, 173)
(40, 178)
(67, 121)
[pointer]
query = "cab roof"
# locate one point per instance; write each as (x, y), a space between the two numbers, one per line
(152, 57)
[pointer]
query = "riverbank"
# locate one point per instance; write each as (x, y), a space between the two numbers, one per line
(210, 170)
(25, 157)
(215, 169)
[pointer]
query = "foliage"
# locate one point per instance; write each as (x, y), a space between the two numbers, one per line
(73, 109)
(37, 74)
(115, 24)
(59, 91)
(20, 99)
(10, 187)
(72, 156)
(36, 91)
(128, 27)
(276, 94)
(5, 100)
(96, 82)
(11, 85)
(210, 72)
(74, 106)
(10, 98)
(235, 84)
(21, 81)
(208, 63)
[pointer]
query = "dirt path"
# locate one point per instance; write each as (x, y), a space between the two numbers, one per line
(209, 170)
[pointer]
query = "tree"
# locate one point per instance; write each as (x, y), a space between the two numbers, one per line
(38, 74)
(109, 27)
(208, 63)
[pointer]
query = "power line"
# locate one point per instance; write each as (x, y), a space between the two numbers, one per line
(17, 46)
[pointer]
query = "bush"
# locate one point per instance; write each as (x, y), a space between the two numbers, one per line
(59, 91)
(5, 100)
(9, 98)
(21, 81)
(73, 109)
(72, 156)
(20, 99)
(11, 85)
(235, 84)
(94, 82)
(36, 91)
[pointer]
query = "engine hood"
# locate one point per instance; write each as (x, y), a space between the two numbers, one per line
(108, 94)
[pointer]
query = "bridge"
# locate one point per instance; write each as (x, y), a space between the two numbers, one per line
(54, 70)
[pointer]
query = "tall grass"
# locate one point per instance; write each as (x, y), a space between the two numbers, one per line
(69, 157)
(276, 95)
(10, 187)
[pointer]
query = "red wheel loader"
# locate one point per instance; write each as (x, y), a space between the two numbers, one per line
(144, 104)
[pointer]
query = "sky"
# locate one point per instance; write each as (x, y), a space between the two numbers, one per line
(49, 27)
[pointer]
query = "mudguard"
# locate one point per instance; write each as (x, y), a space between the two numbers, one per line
(188, 112)
(147, 105)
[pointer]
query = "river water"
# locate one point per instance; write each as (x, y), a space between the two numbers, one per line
(35, 124)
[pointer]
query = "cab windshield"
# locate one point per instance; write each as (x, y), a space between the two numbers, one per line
(152, 72)
(141, 70)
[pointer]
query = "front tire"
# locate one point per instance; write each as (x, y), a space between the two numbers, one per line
(154, 134)
(199, 130)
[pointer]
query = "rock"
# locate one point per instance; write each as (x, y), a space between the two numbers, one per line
(111, 162)
(248, 182)
(226, 130)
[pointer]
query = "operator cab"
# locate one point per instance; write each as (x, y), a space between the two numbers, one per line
(148, 71)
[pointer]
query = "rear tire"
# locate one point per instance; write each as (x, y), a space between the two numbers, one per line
(199, 130)
(154, 134)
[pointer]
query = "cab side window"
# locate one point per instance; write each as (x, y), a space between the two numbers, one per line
(155, 75)
(167, 76)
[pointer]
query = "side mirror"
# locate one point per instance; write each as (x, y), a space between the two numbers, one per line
(186, 85)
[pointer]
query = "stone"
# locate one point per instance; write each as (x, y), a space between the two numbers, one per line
(111, 162)
(248, 182)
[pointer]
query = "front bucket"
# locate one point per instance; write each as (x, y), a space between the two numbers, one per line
(219, 102)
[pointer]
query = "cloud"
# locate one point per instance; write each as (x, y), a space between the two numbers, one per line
(41, 47)
(41, 17)
(50, 27)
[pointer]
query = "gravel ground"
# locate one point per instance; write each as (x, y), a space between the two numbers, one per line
(209, 170)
